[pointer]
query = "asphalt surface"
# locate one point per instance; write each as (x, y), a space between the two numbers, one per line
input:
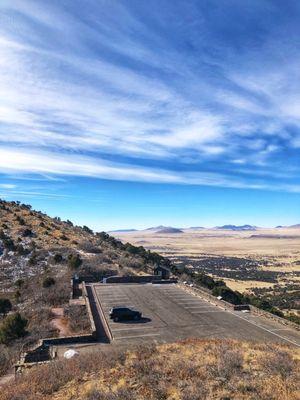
(171, 313)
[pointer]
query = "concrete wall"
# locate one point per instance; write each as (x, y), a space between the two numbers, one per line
(89, 311)
(102, 316)
(133, 279)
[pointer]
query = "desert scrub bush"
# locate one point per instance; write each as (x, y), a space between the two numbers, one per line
(279, 362)
(57, 258)
(64, 237)
(229, 361)
(89, 247)
(45, 380)
(5, 358)
(74, 261)
(54, 295)
(5, 306)
(78, 318)
(157, 374)
(194, 391)
(48, 281)
(119, 394)
(39, 325)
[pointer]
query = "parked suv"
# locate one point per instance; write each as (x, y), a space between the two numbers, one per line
(119, 313)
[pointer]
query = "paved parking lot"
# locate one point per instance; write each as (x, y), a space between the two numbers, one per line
(171, 313)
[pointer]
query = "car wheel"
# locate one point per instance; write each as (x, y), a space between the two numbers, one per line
(136, 317)
(116, 319)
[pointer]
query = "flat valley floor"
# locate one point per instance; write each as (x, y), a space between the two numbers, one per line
(274, 252)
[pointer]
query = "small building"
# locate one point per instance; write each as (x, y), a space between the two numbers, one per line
(162, 272)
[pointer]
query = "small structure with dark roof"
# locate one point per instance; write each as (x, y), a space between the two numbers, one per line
(161, 271)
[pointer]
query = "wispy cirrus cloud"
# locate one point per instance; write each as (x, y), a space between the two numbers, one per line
(119, 90)
(48, 163)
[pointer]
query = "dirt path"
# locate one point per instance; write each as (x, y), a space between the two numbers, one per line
(59, 322)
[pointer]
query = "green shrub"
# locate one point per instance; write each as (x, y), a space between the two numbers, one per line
(48, 281)
(58, 258)
(87, 229)
(20, 220)
(19, 283)
(228, 295)
(74, 261)
(5, 306)
(13, 327)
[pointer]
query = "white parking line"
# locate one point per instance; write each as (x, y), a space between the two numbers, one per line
(108, 307)
(114, 298)
(206, 312)
(113, 301)
(200, 304)
(132, 328)
(187, 307)
(137, 336)
(281, 329)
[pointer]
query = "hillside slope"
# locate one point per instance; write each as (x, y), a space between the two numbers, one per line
(38, 256)
(189, 370)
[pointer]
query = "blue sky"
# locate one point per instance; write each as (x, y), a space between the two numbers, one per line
(136, 113)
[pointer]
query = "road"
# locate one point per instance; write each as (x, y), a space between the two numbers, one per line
(171, 313)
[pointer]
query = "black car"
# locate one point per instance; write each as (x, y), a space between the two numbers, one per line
(121, 313)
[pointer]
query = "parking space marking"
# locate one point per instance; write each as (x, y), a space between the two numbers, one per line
(114, 300)
(198, 307)
(116, 304)
(137, 336)
(132, 328)
(191, 302)
(108, 307)
(206, 312)
(281, 329)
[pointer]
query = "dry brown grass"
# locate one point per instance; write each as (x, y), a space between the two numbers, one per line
(189, 370)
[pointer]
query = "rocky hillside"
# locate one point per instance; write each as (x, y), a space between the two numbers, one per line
(32, 243)
(38, 256)
(189, 370)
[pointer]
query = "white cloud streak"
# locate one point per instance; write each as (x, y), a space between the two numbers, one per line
(12, 161)
(62, 98)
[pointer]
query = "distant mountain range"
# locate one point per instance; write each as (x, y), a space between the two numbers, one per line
(164, 229)
(123, 230)
(291, 226)
(228, 227)
(237, 227)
